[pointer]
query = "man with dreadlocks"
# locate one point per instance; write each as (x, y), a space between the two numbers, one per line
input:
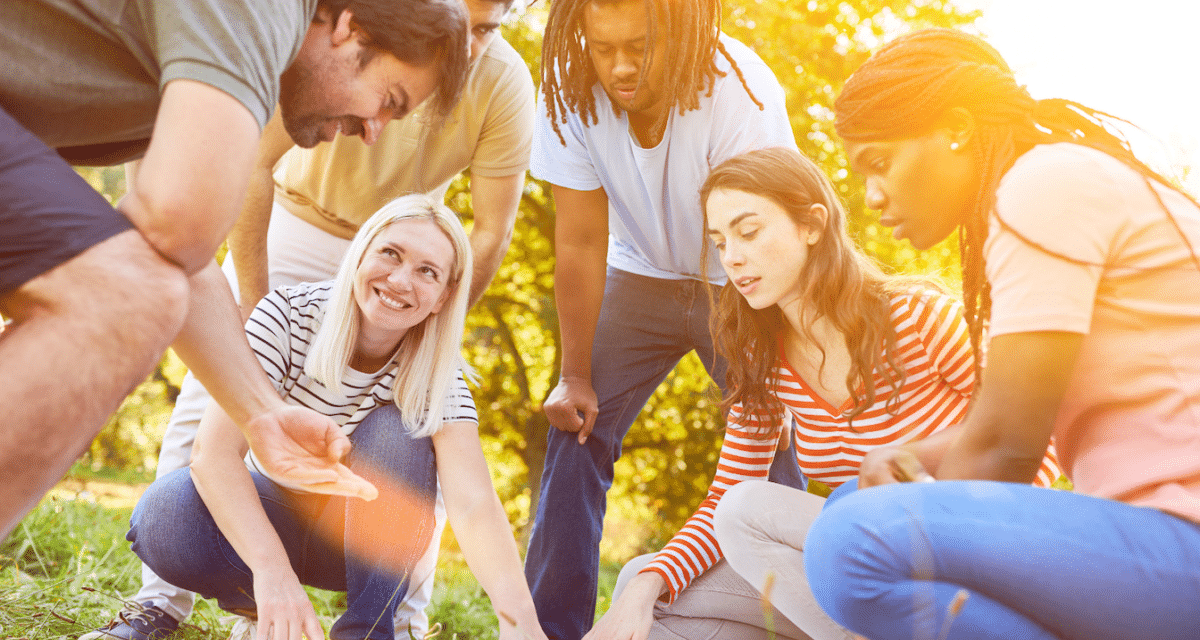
(641, 99)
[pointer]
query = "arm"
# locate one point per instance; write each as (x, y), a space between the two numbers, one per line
(294, 443)
(189, 188)
(1005, 435)
(184, 199)
(248, 238)
(495, 201)
(581, 253)
(694, 549)
(481, 527)
(224, 483)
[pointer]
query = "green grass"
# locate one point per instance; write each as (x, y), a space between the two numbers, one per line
(67, 566)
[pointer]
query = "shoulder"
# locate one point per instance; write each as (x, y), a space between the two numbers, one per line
(749, 62)
(922, 305)
(1051, 177)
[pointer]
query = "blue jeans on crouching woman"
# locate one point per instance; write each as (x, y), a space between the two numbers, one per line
(174, 534)
(890, 563)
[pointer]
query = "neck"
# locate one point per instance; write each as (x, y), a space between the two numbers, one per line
(371, 354)
(642, 123)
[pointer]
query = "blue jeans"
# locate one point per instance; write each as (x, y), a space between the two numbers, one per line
(646, 325)
(174, 534)
(1035, 564)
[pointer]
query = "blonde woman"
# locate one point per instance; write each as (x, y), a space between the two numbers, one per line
(377, 349)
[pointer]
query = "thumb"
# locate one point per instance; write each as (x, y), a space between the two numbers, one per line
(337, 445)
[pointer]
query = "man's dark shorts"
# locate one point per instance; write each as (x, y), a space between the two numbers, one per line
(48, 214)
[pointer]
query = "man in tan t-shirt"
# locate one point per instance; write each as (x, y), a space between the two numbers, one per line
(304, 206)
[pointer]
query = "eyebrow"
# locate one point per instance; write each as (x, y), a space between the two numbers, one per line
(490, 26)
(735, 221)
(426, 261)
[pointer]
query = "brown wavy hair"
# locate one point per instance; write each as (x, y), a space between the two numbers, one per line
(693, 27)
(909, 84)
(842, 284)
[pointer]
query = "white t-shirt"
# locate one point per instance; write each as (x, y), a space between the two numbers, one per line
(1113, 266)
(655, 225)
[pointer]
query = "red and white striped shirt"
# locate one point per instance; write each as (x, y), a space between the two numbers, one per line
(933, 346)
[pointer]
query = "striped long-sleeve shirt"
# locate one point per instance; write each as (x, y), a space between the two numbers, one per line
(281, 330)
(933, 346)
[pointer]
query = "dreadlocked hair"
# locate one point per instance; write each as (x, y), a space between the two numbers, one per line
(841, 285)
(906, 87)
(568, 76)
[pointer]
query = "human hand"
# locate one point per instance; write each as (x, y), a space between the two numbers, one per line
(632, 613)
(284, 610)
(302, 447)
(573, 396)
(888, 465)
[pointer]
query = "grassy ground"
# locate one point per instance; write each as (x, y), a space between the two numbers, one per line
(67, 566)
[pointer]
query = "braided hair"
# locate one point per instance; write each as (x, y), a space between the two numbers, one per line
(905, 88)
(694, 27)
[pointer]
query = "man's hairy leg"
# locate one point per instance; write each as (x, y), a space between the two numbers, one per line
(83, 336)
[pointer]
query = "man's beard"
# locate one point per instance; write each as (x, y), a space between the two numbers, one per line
(300, 89)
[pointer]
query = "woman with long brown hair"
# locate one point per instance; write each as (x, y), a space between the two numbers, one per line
(1081, 262)
(823, 348)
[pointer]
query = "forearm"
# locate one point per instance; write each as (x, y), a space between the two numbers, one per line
(248, 241)
(973, 455)
(579, 277)
(930, 451)
(213, 345)
(224, 483)
(248, 238)
(488, 247)
(487, 543)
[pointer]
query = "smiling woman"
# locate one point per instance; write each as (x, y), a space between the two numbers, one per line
(378, 350)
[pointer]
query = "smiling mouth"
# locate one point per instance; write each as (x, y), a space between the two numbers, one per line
(392, 302)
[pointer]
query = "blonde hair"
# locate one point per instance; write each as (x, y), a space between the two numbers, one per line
(429, 355)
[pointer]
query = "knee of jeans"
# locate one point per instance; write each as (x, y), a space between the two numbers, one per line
(853, 554)
(155, 520)
(383, 447)
(734, 516)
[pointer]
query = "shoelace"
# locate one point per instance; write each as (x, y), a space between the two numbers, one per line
(135, 612)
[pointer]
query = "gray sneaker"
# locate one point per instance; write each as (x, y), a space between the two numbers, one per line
(136, 622)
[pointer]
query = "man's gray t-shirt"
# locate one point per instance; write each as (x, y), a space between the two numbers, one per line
(86, 76)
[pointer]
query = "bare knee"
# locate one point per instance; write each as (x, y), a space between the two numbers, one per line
(121, 284)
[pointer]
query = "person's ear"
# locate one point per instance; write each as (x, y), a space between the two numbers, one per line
(820, 218)
(343, 28)
(958, 125)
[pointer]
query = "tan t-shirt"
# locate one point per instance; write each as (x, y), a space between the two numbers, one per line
(338, 185)
(1129, 425)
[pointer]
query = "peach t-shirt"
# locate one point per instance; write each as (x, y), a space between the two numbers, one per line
(1113, 266)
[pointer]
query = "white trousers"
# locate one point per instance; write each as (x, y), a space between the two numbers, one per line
(297, 252)
(727, 600)
(760, 527)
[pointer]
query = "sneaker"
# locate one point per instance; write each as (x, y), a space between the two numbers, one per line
(243, 629)
(136, 622)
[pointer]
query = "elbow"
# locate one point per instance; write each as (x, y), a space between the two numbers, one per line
(183, 231)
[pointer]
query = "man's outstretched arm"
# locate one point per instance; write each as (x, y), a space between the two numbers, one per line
(188, 192)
